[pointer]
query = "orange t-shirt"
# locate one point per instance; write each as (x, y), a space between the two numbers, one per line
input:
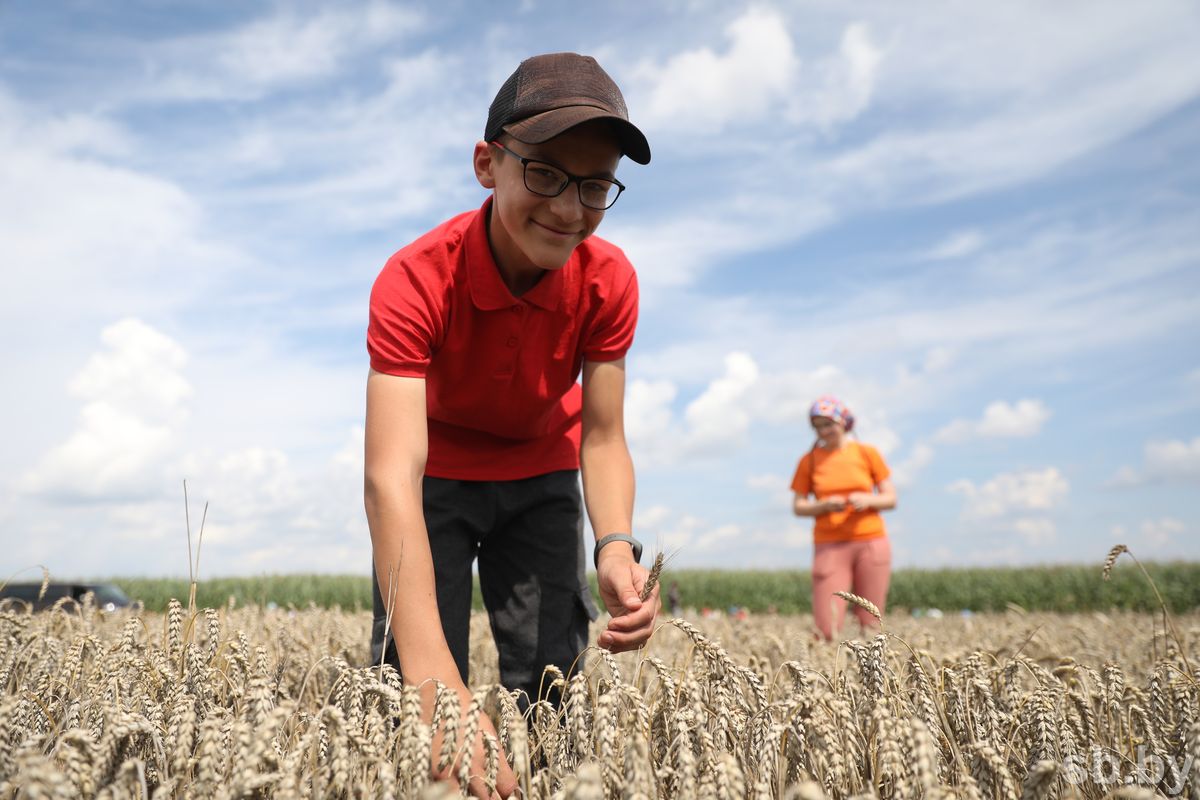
(854, 468)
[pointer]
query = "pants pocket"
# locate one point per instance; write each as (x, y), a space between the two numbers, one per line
(515, 627)
(565, 620)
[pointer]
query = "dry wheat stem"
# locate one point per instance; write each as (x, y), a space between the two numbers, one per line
(270, 705)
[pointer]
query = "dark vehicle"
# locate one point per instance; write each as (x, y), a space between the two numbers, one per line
(25, 595)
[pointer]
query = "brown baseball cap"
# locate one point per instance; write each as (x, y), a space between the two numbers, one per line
(551, 93)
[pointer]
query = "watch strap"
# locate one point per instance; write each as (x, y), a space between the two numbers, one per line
(617, 537)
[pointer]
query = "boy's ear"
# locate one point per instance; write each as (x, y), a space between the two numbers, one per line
(485, 165)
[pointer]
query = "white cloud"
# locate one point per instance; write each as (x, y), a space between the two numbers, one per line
(672, 531)
(351, 458)
(273, 52)
(776, 488)
(1000, 420)
(263, 503)
(1035, 530)
(716, 422)
(651, 517)
(938, 359)
(704, 90)
(134, 397)
(1124, 478)
(650, 422)
(845, 83)
(1007, 124)
(83, 134)
(904, 473)
(107, 498)
(46, 192)
(1161, 532)
(1154, 536)
(993, 127)
(257, 476)
(1028, 490)
(998, 320)
(718, 419)
(89, 238)
(875, 432)
(766, 482)
(674, 251)
(957, 245)
(1172, 461)
(786, 396)
(140, 369)
(758, 74)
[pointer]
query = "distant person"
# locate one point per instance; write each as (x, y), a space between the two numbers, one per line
(850, 485)
(673, 599)
(478, 430)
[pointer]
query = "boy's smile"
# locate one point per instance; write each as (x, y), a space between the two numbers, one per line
(530, 233)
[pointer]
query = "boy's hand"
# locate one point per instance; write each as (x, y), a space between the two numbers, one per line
(506, 781)
(620, 580)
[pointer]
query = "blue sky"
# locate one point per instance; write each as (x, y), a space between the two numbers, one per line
(977, 223)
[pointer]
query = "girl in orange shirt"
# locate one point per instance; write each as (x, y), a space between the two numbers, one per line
(850, 485)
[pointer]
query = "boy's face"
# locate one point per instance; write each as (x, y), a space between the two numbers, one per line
(529, 230)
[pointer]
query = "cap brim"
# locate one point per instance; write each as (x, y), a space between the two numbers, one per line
(545, 126)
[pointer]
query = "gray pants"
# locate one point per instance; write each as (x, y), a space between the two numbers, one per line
(528, 537)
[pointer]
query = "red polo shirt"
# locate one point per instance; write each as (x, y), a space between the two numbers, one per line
(500, 371)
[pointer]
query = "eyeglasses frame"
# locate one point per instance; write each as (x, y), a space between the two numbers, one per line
(575, 179)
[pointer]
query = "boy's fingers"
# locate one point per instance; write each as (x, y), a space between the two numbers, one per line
(631, 600)
(634, 620)
(506, 781)
(620, 642)
(628, 630)
(478, 788)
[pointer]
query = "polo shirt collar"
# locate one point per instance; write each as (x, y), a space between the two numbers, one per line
(488, 290)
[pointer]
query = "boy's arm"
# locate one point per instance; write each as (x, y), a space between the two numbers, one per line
(396, 447)
(608, 488)
(397, 438)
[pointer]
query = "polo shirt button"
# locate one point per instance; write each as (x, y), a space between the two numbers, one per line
(516, 309)
(512, 341)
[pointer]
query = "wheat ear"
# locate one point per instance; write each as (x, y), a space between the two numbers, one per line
(1112, 557)
(652, 578)
(862, 603)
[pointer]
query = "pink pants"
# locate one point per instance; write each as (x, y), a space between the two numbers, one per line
(862, 567)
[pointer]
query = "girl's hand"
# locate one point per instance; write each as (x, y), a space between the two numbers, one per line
(835, 502)
(861, 501)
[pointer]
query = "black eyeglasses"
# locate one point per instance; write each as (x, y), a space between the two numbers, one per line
(547, 180)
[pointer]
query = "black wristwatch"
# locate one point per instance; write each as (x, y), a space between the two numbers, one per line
(617, 537)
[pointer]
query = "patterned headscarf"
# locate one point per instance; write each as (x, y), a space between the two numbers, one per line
(829, 406)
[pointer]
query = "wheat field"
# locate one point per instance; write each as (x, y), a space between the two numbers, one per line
(252, 702)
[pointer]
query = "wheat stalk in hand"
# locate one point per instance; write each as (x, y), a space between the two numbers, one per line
(652, 578)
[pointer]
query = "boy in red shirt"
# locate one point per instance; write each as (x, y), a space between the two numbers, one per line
(477, 430)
